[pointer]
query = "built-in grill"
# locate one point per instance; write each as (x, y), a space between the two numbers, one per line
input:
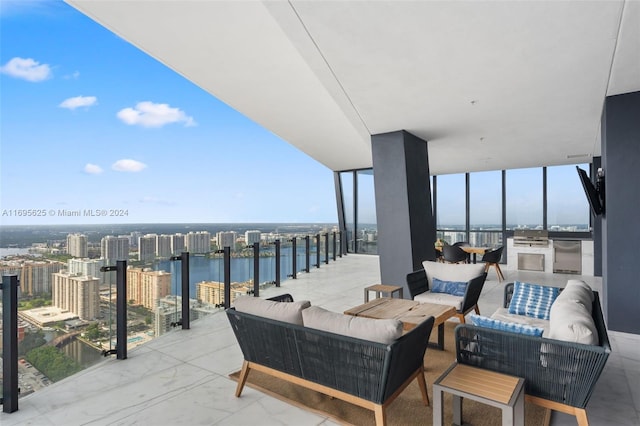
(530, 238)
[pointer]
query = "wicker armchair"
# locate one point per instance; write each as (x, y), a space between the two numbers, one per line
(560, 375)
(417, 283)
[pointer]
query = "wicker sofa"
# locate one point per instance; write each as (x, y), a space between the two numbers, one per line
(363, 372)
(560, 374)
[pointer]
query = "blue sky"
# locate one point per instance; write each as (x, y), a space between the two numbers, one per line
(89, 122)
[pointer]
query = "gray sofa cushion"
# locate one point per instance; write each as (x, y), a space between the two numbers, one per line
(281, 311)
(376, 330)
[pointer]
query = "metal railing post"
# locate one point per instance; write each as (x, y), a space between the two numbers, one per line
(294, 258)
(184, 267)
(326, 248)
(333, 252)
(227, 277)
(307, 250)
(277, 280)
(317, 250)
(10, 388)
(121, 309)
(256, 269)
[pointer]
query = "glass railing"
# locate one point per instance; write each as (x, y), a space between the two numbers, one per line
(154, 297)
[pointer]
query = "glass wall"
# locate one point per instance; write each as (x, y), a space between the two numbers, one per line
(359, 209)
(485, 220)
(451, 208)
(567, 206)
(348, 203)
(367, 238)
(524, 199)
(485, 209)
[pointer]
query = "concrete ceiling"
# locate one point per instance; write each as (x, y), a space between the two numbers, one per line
(489, 84)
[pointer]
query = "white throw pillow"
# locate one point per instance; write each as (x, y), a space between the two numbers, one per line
(451, 271)
(579, 292)
(281, 311)
(572, 322)
(376, 330)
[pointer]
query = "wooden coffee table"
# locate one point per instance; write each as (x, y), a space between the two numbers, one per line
(409, 312)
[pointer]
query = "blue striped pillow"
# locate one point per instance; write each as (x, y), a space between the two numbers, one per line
(532, 300)
(513, 327)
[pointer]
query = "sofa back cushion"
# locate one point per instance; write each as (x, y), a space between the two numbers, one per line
(579, 292)
(290, 312)
(571, 315)
(532, 300)
(376, 330)
(451, 271)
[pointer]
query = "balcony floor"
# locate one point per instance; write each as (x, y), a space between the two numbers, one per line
(182, 378)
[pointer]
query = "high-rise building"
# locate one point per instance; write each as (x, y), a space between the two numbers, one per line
(251, 237)
(76, 293)
(77, 245)
(133, 238)
(169, 312)
(178, 244)
(147, 247)
(87, 267)
(34, 275)
(212, 292)
(163, 246)
(114, 248)
(145, 287)
(226, 239)
(198, 242)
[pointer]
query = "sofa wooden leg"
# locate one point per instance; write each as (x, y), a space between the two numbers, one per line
(380, 415)
(423, 388)
(477, 309)
(242, 379)
(581, 417)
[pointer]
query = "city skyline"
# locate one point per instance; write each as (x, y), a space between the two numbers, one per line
(92, 124)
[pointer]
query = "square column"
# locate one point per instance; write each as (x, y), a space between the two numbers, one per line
(406, 226)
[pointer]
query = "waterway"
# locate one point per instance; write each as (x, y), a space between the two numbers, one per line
(241, 270)
(82, 353)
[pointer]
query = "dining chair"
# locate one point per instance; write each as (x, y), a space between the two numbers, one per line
(464, 244)
(454, 254)
(492, 258)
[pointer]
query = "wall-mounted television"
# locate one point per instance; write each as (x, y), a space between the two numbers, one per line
(595, 195)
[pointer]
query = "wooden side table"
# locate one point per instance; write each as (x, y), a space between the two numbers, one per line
(491, 388)
(381, 290)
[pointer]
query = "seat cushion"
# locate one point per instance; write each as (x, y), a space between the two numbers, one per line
(376, 330)
(514, 327)
(451, 271)
(440, 299)
(503, 314)
(290, 312)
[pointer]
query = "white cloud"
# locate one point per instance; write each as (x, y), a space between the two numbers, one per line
(78, 101)
(26, 69)
(149, 114)
(127, 165)
(74, 76)
(92, 169)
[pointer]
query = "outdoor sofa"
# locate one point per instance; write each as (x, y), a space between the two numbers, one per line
(346, 363)
(562, 365)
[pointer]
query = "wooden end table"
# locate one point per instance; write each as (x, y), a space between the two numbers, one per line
(491, 388)
(382, 289)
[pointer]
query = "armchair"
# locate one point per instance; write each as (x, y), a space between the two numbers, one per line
(420, 283)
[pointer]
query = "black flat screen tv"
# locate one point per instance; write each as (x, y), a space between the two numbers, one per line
(592, 193)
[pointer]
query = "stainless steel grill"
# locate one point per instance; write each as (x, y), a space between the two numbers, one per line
(530, 238)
